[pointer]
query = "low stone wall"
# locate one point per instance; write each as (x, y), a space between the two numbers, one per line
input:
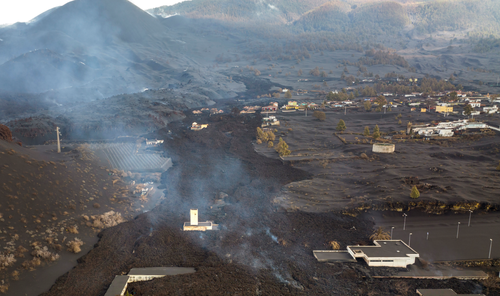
(383, 148)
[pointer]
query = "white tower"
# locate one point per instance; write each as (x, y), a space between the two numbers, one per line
(194, 217)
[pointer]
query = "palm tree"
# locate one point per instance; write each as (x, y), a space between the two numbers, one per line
(380, 234)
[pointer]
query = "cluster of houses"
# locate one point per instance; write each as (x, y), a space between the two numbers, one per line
(294, 106)
(448, 129)
(207, 110)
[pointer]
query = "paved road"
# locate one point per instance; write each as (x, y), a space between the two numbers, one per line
(473, 242)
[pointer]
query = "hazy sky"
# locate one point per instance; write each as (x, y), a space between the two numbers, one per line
(12, 11)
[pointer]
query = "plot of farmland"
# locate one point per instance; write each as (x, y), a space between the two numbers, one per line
(124, 157)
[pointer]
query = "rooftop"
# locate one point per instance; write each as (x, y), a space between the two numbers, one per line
(117, 285)
(385, 248)
(161, 271)
(442, 292)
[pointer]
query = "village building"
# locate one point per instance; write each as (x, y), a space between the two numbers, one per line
(198, 127)
(490, 110)
(271, 108)
(270, 121)
(444, 109)
(194, 225)
(154, 142)
(385, 253)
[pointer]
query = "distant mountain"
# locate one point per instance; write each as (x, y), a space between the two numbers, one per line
(100, 21)
(240, 10)
(357, 16)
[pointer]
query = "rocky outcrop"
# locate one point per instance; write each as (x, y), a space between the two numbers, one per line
(5, 133)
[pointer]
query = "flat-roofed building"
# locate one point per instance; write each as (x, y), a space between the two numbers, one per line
(386, 253)
(390, 253)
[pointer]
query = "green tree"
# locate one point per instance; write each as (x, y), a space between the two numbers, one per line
(300, 72)
(323, 74)
(399, 122)
(454, 96)
(261, 135)
(282, 148)
(368, 105)
(356, 93)
(270, 144)
(468, 109)
(319, 115)
(341, 125)
(376, 132)
(270, 136)
(389, 109)
(414, 192)
(314, 72)
(288, 94)
(366, 132)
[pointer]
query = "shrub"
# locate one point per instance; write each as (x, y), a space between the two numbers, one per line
(319, 115)
(335, 245)
(270, 144)
(7, 260)
(74, 245)
(380, 234)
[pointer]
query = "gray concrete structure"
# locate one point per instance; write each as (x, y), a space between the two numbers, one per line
(333, 256)
(119, 284)
(383, 148)
(442, 292)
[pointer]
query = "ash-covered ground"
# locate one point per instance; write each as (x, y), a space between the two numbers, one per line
(449, 172)
(260, 249)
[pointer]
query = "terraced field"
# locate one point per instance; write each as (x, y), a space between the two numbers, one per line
(123, 156)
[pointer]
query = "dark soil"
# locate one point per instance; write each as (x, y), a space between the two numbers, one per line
(260, 249)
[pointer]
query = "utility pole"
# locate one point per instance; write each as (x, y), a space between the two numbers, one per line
(58, 141)
(458, 228)
(491, 243)
(392, 229)
(404, 223)
(409, 240)
(470, 214)
(345, 109)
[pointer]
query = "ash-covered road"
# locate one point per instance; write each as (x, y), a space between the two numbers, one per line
(442, 244)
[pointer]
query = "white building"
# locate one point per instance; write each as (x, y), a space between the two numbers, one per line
(389, 253)
(386, 253)
(154, 142)
(490, 110)
(475, 104)
(194, 225)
